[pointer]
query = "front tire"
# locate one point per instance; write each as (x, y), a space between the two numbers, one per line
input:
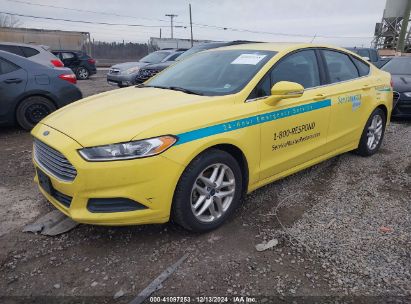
(209, 191)
(33, 109)
(82, 73)
(373, 133)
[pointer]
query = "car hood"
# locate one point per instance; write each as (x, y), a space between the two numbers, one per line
(402, 83)
(127, 65)
(123, 114)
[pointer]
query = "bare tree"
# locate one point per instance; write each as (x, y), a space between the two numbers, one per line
(9, 21)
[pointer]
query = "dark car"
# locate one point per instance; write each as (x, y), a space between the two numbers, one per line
(151, 70)
(400, 69)
(370, 55)
(29, 91)
(82, 64)
(124, 74)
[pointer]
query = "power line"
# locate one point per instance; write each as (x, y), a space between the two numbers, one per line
(79, 21)
(85, 11)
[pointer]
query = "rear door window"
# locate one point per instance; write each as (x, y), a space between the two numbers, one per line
(7, 67)
(340, 67)
(12, 49)
(29, 52)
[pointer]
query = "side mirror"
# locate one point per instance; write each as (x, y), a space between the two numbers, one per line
(366, 58)
(283, 90)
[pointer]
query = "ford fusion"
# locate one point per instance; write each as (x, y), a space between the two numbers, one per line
(189, 143)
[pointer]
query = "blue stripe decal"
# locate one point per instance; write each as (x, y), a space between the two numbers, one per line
(250, 121)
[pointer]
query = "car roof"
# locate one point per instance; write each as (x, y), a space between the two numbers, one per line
(277, 46)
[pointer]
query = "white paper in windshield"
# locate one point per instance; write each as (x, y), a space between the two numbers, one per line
(248, 59)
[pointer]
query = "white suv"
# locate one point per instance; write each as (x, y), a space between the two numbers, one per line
(37, 53)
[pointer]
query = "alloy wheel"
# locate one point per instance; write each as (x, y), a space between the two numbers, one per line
(213, 192)
(374, 132)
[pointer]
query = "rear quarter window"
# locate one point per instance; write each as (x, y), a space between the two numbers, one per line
(29, 52)
(363, 68)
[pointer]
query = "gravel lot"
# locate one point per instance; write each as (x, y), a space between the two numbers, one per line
(343, 226)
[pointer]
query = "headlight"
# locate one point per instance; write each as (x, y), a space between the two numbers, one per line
(408, 94)
(131, 70)
(129, 150)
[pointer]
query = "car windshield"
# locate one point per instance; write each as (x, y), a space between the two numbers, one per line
(213, 72)
(398, 66)
(155, 57)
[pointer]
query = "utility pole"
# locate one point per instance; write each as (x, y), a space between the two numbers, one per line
(404, 26)
(171, 22)
(160, 32)
(191, 25)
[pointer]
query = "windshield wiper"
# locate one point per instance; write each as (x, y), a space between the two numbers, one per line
(184, 90)
(169, 88)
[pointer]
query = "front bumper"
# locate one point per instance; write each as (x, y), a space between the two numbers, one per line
(402, 108)
(149, 181)
(121, 80)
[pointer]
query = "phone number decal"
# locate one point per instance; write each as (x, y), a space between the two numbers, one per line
(294, 130)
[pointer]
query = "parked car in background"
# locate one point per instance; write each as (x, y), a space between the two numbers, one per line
(124, 74)
(82, 64)
(37, 53)
(400, 69)
(151, 70)
(30, 91)
(370, 55)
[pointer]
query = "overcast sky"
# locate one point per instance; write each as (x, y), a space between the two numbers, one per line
(336, 18)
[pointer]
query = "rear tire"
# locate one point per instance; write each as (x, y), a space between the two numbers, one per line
(33, 109)
(373, 133)
(209, 191)
(82, 73)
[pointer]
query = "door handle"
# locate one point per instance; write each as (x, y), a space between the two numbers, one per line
(319, 97)
(366, 86)
(13, 80)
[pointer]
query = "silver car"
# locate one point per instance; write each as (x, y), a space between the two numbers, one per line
(37, 53)
(125, 74)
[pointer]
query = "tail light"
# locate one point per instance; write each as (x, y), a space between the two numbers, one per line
(91, 61)
(57, 63)
(69, 77)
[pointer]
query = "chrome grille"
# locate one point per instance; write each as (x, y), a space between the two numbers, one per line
(145, 74)
(53, 162)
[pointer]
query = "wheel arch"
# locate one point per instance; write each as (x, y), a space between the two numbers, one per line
(241, 159)
(383, 107)
(235, 151)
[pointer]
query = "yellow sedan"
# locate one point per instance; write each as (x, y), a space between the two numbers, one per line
(190, 142)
